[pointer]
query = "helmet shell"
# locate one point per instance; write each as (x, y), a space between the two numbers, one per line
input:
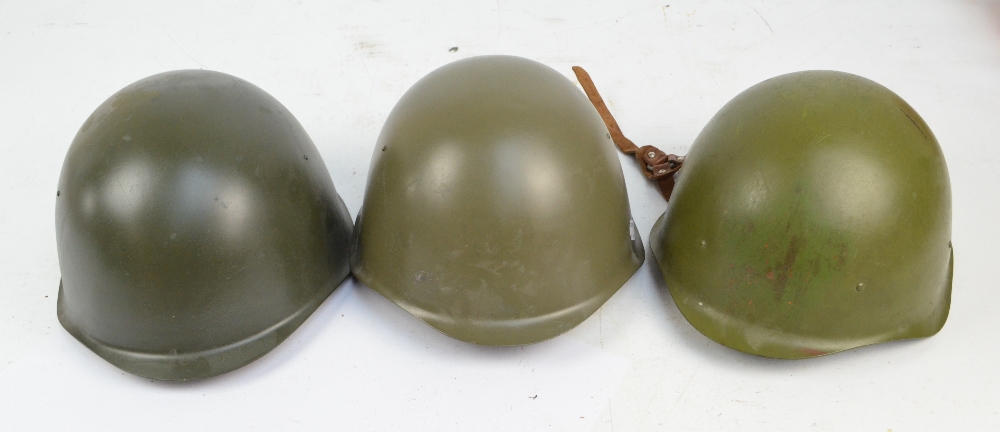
(496, 209)
(812, 215)
(197, 227)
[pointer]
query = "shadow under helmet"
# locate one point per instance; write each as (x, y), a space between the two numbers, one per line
(812, 215)
(197, 227)
(495, 209)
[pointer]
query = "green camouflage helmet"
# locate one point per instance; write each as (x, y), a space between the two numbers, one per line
(812, 215)
(197, 227)
(495, 209)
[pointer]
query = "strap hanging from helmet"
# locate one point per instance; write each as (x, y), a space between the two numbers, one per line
(656, 164)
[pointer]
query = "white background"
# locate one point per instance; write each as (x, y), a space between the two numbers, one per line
(361, 363)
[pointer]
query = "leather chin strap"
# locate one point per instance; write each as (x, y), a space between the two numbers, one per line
(657, 165)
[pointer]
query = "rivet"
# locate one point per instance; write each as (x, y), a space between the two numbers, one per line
(860, 287)
(651, 154)
(662, 171)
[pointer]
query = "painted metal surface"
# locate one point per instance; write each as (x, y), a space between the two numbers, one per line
(496, 209)
(197, 227)
(812, 215)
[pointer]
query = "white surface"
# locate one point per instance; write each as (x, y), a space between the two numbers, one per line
(356, 364)
(664, 71)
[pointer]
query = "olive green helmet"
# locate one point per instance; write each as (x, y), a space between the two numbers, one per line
(197, 227)
(812, 215)
(495, 209)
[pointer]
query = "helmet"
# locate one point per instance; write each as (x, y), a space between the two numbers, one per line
(197, 227)
(495, 209)
(812, 215)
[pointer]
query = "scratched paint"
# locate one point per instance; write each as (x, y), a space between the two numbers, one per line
(801, 190)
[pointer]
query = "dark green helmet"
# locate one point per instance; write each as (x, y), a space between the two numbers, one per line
(812, 215)
(197, 227)
(495, 209)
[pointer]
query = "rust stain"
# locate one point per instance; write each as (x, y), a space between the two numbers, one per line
(815, 268)
(812, 352)
(841, 259)
(784, 270)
